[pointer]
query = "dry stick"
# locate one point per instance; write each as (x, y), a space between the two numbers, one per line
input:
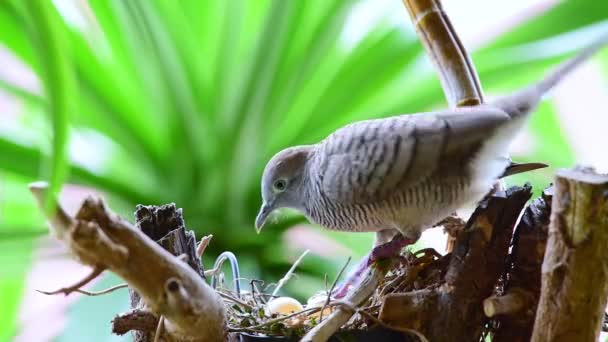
(97, 270)
(235, 300)
(357, 296)
(289, 273)
(333, 286)
(575, 269)
(102, 292)
(159, 329)
(200, 249)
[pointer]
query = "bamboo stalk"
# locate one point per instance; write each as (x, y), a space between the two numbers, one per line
(452, 62)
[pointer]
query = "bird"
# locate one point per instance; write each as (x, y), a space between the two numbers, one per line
(400, 175)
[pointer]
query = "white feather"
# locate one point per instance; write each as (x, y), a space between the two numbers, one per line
(492, 159)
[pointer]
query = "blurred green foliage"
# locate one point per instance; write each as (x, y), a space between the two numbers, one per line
(185, 101)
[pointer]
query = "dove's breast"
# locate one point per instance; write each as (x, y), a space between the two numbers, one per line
(408, 211)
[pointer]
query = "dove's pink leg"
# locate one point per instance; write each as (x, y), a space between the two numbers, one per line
(385, 251)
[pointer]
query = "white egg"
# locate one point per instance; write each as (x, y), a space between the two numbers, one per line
(283, 306)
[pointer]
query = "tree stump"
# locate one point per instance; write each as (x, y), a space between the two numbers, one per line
(165, 225)
(575, 269)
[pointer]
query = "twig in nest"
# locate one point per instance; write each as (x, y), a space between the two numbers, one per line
(102, 292)
(200, 249)
(255, 291)
(236, 300)
(331, 289)
(453, 226)
(73, 288)
(159, 329)
(289, 273)
(357, 296)
(428, 251)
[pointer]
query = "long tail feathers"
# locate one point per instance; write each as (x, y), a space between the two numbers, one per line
(556, 75)
(524, 101)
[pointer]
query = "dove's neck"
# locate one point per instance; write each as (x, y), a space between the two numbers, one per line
(313, 198)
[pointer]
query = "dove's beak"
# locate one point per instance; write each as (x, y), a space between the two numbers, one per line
(262, 216)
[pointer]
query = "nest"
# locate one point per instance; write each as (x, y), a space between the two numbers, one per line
(248, 311)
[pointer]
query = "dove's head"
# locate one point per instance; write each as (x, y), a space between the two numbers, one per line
(283, 182)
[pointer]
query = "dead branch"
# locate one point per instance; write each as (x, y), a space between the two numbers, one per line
(169, 287)
(452, 309)
(523, 271)
(95, 272)
(165, 225)
(575, 269)
(452, 62)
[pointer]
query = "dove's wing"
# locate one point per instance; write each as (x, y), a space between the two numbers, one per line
(370, 160)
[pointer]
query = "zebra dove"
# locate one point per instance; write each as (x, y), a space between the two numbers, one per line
(400, 175)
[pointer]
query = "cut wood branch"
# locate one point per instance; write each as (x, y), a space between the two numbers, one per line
(135, 320)
(511, 303)
(169, 287)
(452, 62)
(575, 268)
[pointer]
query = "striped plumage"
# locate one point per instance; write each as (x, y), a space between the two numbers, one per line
(404, 173)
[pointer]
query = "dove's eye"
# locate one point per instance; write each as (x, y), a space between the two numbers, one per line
(279, 185)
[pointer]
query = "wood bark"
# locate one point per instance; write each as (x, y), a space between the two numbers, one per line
(522, 279)
(451, 310)
(575, 269)
(190, 309)
(165, 225)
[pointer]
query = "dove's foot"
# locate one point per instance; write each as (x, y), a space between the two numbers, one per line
(388, 250)
(353, 278)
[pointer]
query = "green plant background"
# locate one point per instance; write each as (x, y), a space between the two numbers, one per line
(185, 101)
